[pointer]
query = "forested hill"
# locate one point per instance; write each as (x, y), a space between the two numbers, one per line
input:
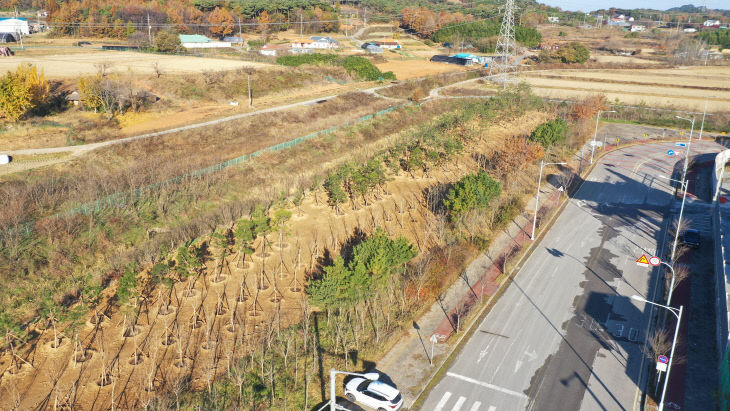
(478, 8)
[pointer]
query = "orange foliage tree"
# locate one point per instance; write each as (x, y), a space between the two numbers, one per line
(516, 153)
(221, 21)
(589, 107)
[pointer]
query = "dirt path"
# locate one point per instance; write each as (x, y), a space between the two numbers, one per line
(64, 153)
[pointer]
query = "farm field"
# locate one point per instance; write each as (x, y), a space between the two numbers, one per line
(677, 87)
(68, 65)
(410, 68)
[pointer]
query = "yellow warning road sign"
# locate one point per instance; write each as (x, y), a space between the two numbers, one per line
(642, 261)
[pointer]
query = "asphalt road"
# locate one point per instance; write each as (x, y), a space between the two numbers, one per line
(565, 335)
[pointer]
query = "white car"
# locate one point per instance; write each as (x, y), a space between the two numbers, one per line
(374, 394)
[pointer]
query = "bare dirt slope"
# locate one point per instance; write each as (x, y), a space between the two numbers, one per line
(195, 329)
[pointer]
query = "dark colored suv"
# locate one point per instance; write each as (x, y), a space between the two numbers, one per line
(691, 238)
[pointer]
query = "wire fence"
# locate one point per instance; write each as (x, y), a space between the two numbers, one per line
(123, 198)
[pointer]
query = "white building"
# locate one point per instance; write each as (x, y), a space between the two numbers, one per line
(196, 41)
(275, 49)
(14, 26)
(690, 30)
(711, 23)
(553, 19)
(637, 27)
(319, 42)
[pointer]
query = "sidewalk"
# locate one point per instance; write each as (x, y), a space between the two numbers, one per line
(407, 363)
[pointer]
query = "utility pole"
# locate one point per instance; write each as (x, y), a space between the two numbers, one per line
(301, 25)
(250, 96)
(149, 29)
(240, 32)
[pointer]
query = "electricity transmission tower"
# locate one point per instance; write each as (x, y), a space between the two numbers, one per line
(506, 47)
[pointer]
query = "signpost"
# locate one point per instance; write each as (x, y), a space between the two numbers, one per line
(642, 261)
(655, 261)
(433, 340)
(661, 363)
(670, 152)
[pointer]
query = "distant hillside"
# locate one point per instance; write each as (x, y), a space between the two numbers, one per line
(691, 8)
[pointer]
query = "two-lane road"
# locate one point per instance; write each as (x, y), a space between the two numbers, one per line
(565, 335)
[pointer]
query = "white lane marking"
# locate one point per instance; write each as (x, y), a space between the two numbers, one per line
(487, 385)
(441, 403)
(458, 404)
(518, 364)
(476, 405)
(492, 408)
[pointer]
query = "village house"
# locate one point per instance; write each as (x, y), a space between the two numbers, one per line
(387, 44)
(197, 41)
(275, 49)
(12, 28)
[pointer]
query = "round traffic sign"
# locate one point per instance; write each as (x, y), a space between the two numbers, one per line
(663, 359)
(670, 152)
(655, 261)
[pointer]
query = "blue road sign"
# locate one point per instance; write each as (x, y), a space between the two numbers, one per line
(670, 152)
(680, 144)
(663, 359)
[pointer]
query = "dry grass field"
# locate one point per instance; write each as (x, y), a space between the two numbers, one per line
(684, 87)
(63, 64)
(406, 69)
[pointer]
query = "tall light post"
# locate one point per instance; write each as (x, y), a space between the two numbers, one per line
(598, 116)
(537, 196)
(679, 222)
(372, 376)
(689, 145)
(704, 113)
(677, 313)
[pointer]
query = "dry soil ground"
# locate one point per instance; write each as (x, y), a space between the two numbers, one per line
(684, 87)
(78, 62)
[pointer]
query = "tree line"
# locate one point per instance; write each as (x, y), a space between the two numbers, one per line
(720, 37)
(357, 66)
(130, 19)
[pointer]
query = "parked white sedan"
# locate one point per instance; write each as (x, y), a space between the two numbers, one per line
(374, 394)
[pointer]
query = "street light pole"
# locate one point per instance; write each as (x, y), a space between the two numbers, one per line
(689, 145)
(681, 212)
(677, 313)
(598, 116)
(704, 113)
(537, 196)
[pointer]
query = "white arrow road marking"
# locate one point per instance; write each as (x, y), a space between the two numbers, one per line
(475, 406)
(442, 402)
(532, 355)
(458, 404)
(492, 408)
(483, 352)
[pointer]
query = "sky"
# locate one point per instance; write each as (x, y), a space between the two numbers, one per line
(589, 5)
